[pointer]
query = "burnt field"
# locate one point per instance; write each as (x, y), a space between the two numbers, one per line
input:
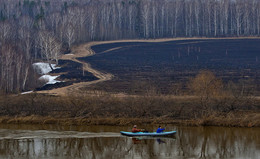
(164, 66)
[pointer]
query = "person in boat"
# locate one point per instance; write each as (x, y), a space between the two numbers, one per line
(134, 130)
(160, 129)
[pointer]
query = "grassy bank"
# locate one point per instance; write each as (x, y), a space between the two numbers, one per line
(246, 119)
(83, 109)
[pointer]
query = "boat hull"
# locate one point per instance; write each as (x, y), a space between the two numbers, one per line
(168, 133)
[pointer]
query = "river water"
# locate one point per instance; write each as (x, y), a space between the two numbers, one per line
(95, 142)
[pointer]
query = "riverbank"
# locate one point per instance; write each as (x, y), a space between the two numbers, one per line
(106, 109)
(235, 119)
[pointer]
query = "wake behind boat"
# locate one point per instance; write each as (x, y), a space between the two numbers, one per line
(167, 133)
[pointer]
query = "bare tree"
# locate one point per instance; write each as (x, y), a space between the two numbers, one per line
(80, 18)
(226, 15)
(177, 7)
(258, 19)
(70, 34)
(206, 86)
(49, 45)
(145, 16)
(19, 63)
(5, 30)
(237, 95)
(154, 20)
(216, 13)
(93, 24)
(26, 22)
(26, 39)
(54, 22)
(7, 65)
(131, 18)
(238, 18)
(197, 16)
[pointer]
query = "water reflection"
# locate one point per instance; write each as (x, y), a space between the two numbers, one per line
(159, 140)
(212, 142)
(189, 142)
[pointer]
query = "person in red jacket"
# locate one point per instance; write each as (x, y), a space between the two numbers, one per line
(134, 130)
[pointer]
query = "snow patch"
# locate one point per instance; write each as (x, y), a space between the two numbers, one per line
(49, 79)
(27, 92)
(43, 68)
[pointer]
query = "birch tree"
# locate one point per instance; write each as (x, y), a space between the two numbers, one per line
(50, 47)
(238, 18)
(197, 16)
(177, 8)
(70, 34)
(145, 16)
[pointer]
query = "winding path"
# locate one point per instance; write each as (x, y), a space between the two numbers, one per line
(83, 50)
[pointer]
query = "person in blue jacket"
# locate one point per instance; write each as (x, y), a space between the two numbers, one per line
(160, 129)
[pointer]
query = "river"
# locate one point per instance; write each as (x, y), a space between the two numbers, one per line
(61, 142)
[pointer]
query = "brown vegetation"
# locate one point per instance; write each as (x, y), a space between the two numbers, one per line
(206, 86)
(84, 109)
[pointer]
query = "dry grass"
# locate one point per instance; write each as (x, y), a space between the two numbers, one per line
(234, 119)
(105, 109)
(210, 121)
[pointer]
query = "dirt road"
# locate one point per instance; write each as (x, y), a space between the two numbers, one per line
(80, 51)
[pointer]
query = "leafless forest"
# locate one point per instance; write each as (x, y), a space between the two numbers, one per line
(32, 30)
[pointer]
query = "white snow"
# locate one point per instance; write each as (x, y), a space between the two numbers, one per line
(49, 79)
(43, 68)
(27, 92)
